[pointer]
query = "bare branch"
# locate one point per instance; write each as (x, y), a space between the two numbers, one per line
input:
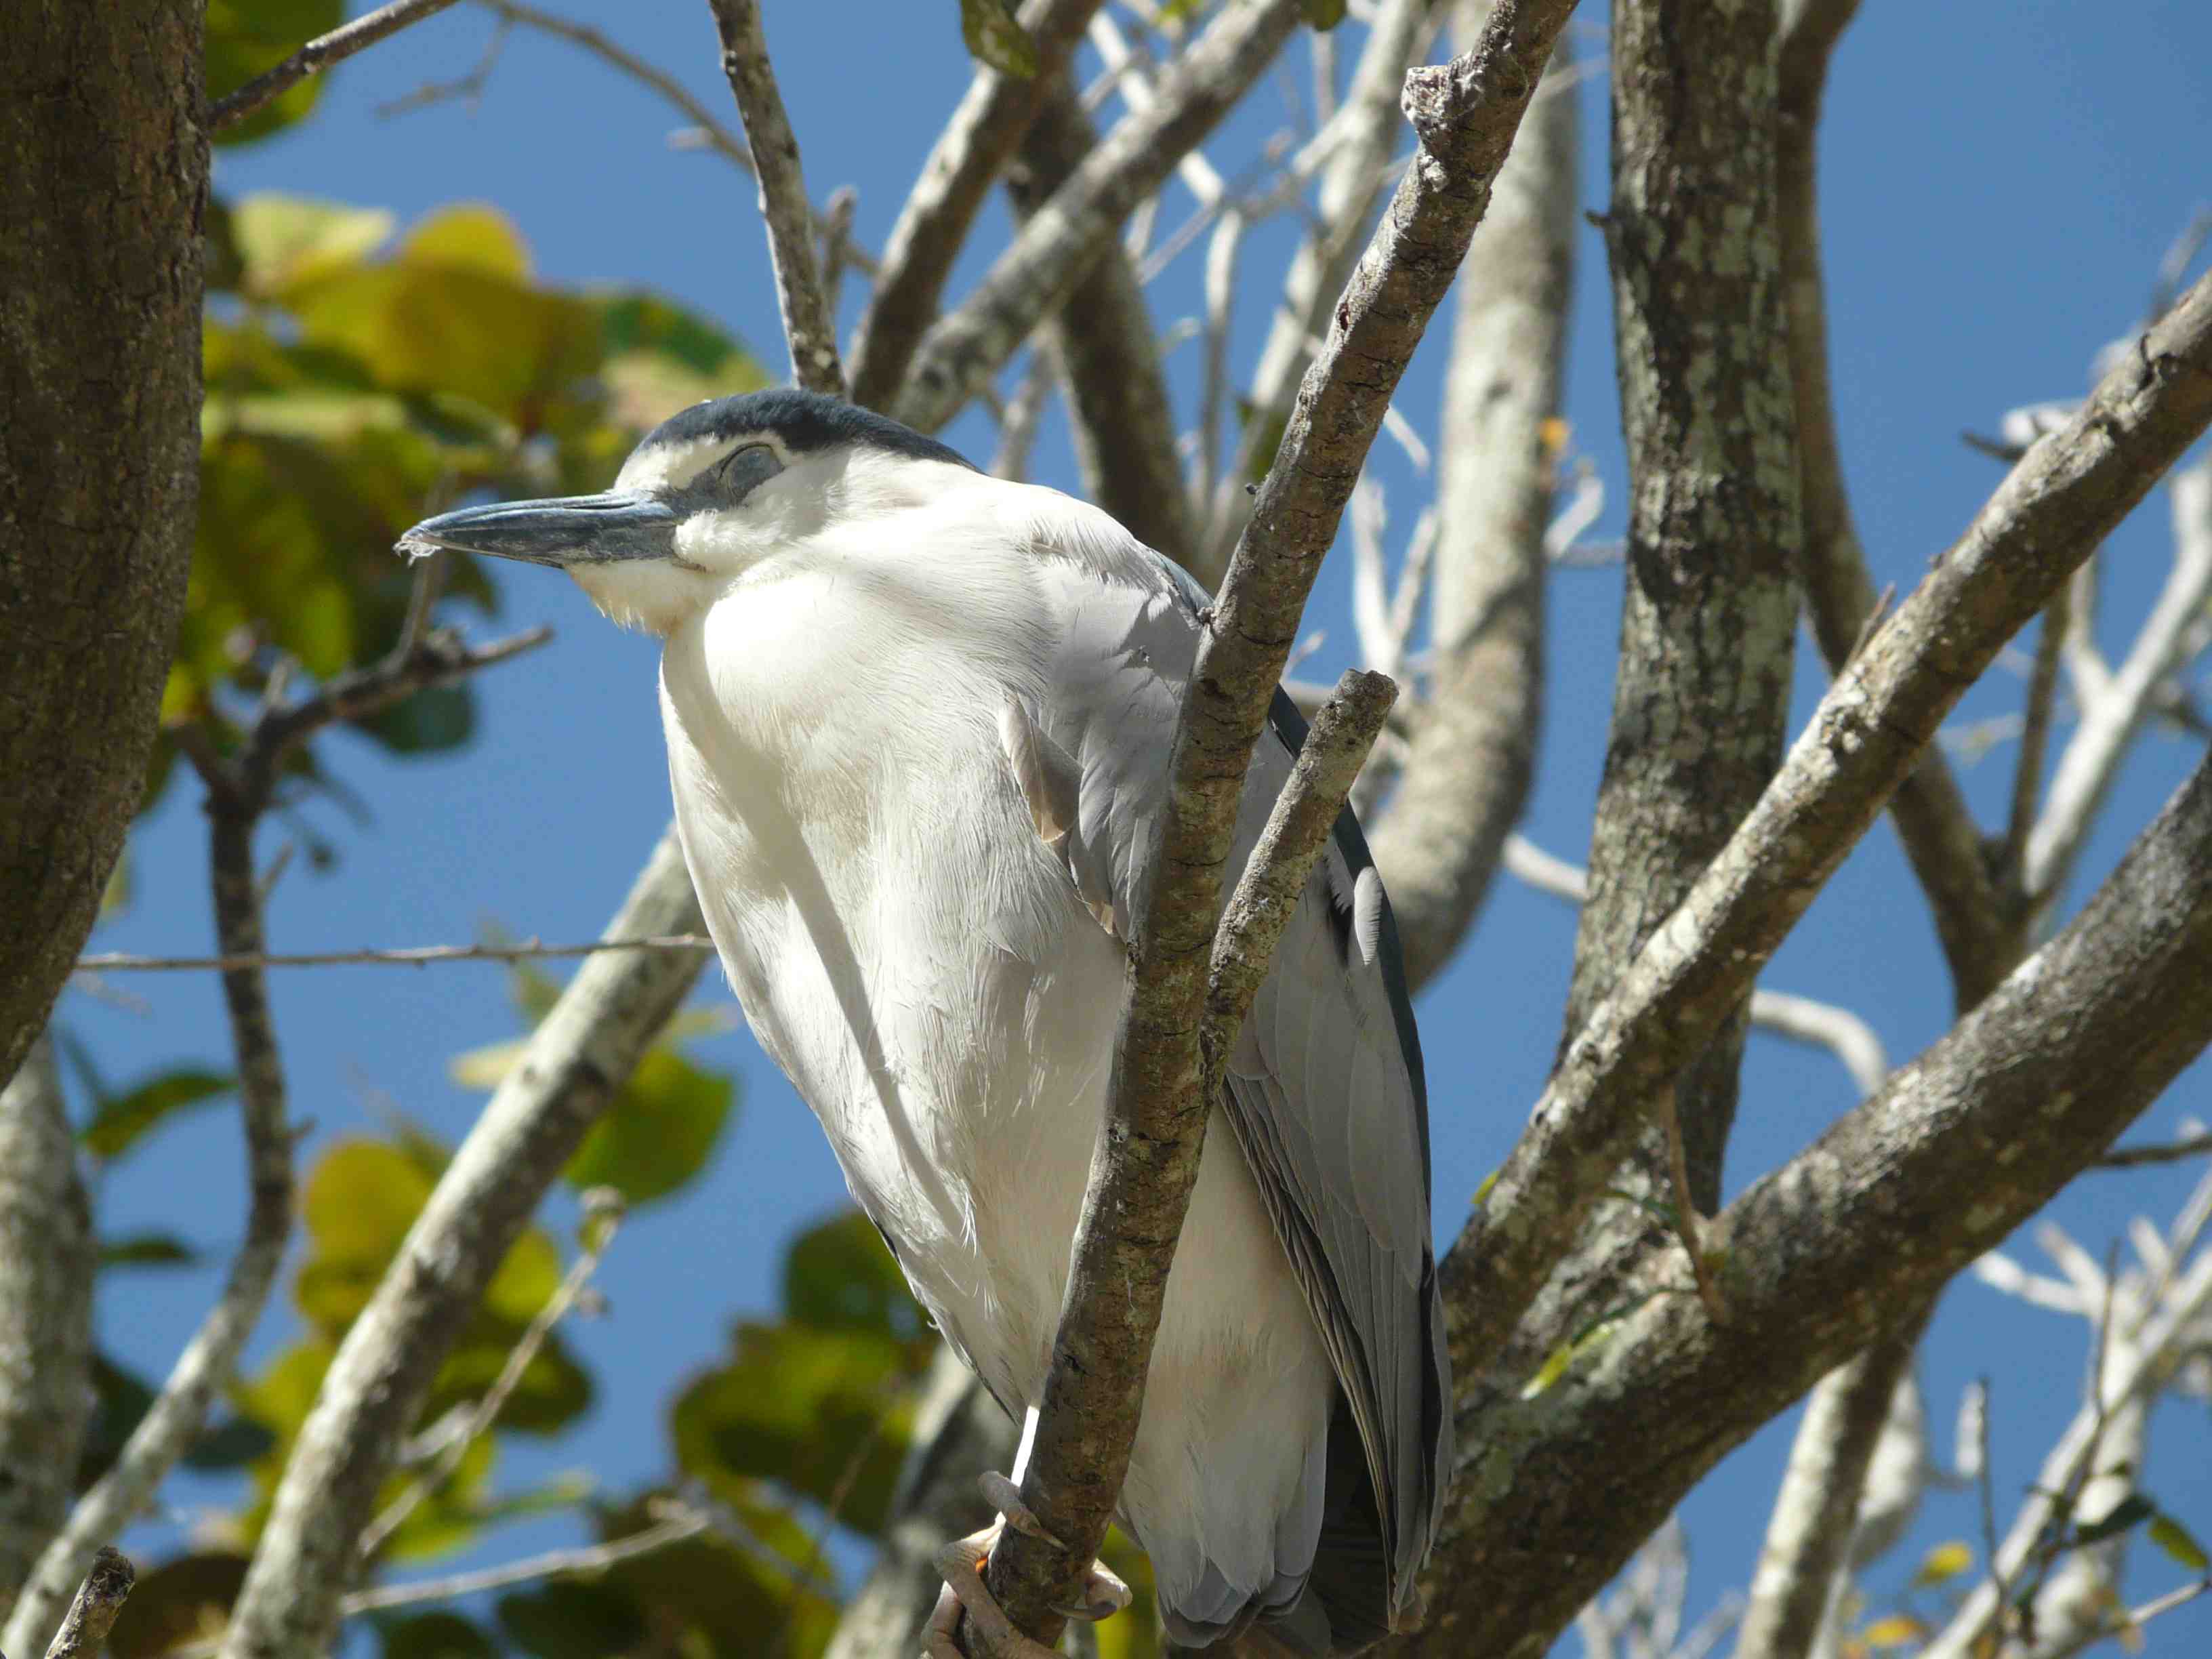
(2134, 1157)
(320, 53)
(1864, 739)
(239, 790)
(411, 956)
(1473, 749)
(2084, 1037)
(603, 1212)
(2111, 714)
(807, 324)
(1358, 140)
(1466, 113)
(963, 349)
(47, 1255)
(1809, 1537)
(2034, 743)
(552, 1563)
(1941, 839)
(932, 226)
(1103, 337)
(107, 1584)
(577, 1058)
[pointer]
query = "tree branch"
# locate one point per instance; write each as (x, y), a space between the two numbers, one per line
(2079, 1041)
(964, 348)
(808, 327)
(1864, 739)
(1466, 113)
(932, 226)
(48, 1256)
(411, 956)
(107, 1584)
(1167, 1079)
(1473, 748)
(2114, 712)
(1939, 833)
(577, 1058)
(1110, 356)
(240, 789)
(1362, 135)
(318, 54)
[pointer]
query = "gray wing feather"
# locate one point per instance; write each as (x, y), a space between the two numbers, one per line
(1326, 1093)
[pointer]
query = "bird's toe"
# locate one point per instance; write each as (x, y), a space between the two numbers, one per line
(964, 1591)
(1003, 1493)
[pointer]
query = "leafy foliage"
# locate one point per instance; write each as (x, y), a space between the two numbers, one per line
(355, 383)
(247, 38)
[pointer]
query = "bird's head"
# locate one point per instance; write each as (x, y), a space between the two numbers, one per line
(709, 495)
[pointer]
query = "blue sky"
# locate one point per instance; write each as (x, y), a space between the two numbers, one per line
(1999, 183)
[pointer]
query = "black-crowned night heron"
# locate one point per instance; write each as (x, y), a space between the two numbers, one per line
(918, 725)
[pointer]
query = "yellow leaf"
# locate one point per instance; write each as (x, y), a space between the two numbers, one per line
(284, 240)
(472, 236)
(1944, 1562)
(1893, 1631)
(488, 1067)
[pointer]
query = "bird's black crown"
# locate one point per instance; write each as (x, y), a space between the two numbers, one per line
(805, 421)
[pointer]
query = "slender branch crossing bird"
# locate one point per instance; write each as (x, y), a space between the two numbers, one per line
(918, 721)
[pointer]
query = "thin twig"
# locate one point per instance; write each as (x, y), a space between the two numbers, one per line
(603, 1213)
(2034, 740)
(318, 54)
(717, 136)
(808, 325)
(84, 1634)
(1687, 1221)
(2134, 1157)
(552, 1563)
(412, 956)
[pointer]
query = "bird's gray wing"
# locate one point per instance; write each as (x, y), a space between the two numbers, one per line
(1326, 1092)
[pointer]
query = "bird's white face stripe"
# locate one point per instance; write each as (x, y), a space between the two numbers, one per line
(672, 466)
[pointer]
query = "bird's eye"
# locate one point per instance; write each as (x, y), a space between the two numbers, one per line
(744, 469)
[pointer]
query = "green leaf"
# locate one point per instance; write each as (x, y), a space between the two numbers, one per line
(661, 1131)
(569, 1619)
(839, 1275)
(2129, 1511)
(434, 1636)
(995, 36)
(1322, 14)
(177, 1603)
(2170, 1535)
(554, 1391)
(119, 1123)
(285, 242)
(437, 717)
(819, 1412)
(146, 1250)
(119, 1399)
(246, 38)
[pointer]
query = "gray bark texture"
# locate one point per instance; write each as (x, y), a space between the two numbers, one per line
(1701, 699)
(103, 176)
(48, 1254)
(1474, 738)
(1848, 1243)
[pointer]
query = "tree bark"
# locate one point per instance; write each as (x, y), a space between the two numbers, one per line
(1708, 619)
(1473, 747)
(103, 178)
(47, 1258)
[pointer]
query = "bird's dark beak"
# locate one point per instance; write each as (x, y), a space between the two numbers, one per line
(621, 524)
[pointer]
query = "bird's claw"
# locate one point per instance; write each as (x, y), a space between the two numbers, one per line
(960, 1564)
(1003, 1495)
